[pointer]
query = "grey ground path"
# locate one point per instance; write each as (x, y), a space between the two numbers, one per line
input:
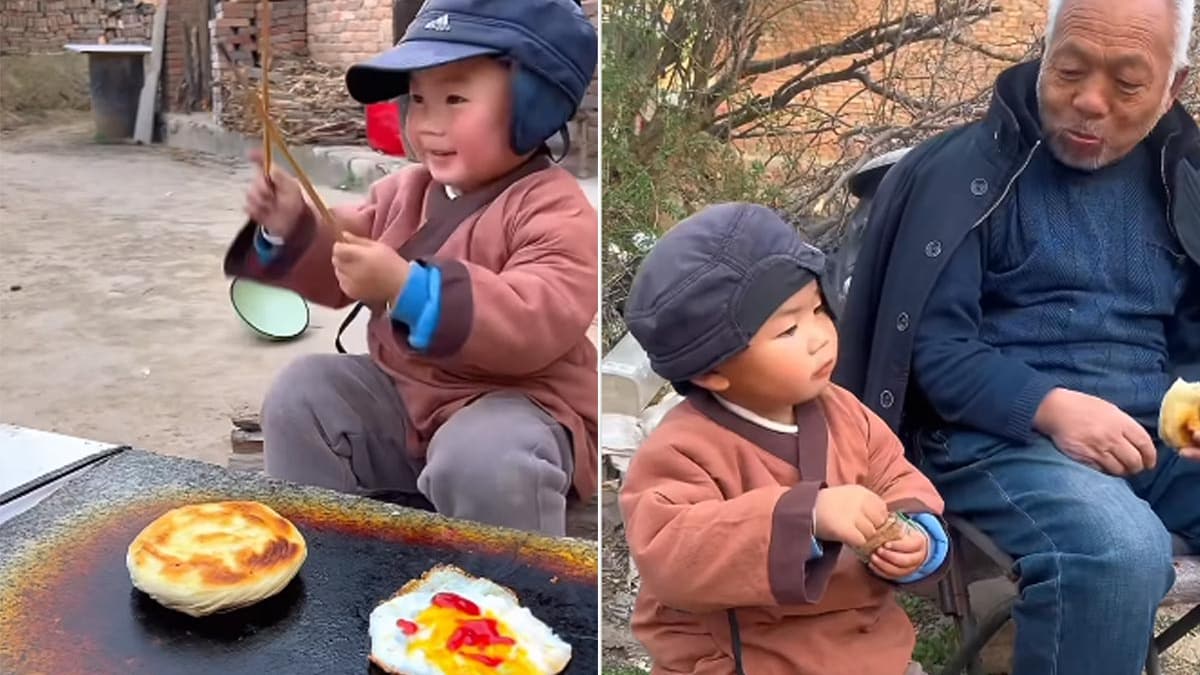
(121, 329)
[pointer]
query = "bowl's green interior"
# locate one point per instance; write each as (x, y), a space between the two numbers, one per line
(274, 312)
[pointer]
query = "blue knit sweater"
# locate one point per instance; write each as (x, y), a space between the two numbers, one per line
(1082, 274)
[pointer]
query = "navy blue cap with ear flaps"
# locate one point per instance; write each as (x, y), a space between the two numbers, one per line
(711, 282)
(551, 41)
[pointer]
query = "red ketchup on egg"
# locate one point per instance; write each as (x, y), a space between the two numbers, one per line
(455, 601)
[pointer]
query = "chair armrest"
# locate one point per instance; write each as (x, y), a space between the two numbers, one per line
(961, 529)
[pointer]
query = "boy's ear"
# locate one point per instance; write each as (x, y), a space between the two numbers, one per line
(713, 381)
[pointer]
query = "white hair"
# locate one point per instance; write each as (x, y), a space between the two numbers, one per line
(1185, 11)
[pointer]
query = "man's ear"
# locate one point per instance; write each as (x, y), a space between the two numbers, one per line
(1181, 78)
(713, 381)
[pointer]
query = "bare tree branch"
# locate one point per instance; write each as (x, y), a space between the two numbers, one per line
(889, 92)
(900, 33)
(989, 52)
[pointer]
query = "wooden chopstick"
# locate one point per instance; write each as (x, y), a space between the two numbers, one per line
(275, 137)
(264, 46)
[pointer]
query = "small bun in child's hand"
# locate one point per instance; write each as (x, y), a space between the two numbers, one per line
(895, 527)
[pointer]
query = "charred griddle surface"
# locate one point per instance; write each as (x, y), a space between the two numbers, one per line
(67, 606)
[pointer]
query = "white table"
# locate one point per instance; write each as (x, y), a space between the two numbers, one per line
(33, 464)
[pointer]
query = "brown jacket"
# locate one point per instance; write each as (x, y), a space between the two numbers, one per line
(718, 515)
(519, 291)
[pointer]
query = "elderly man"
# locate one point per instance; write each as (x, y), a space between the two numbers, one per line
(1029, 288)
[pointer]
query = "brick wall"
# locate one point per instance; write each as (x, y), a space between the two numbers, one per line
(236, 25)
(238, 22)
(44, 26)
(341, 32)
(185, 75)
(919, 67)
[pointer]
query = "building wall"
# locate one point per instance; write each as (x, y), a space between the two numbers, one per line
(341, 32)
(185, 77)
(1009, 32)
(45, 26)
(239, 22)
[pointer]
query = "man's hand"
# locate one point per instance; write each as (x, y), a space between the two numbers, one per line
(849, 514)
(367, 270)
(900, 558)
(1095, 432)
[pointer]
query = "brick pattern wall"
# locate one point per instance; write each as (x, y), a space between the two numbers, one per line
(185, 76)
(919, 67)
(342, 32)
(237, 23)
(44, 26)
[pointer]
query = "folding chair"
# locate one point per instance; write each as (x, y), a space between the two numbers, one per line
(975, 557)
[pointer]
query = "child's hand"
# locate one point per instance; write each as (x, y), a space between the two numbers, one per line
(275, 204)
(900, 558)
(849, 514)
(367, 270)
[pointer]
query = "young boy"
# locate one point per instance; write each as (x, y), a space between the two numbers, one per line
(738, 505)
(479, 269)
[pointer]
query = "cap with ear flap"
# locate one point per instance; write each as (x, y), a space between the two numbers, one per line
(539, 110)
(551, 42)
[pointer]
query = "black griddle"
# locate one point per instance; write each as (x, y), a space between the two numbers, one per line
(67, 605)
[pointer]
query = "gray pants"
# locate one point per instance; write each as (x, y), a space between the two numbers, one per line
(337, 421)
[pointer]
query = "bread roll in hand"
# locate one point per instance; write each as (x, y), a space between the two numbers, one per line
(1179, 417)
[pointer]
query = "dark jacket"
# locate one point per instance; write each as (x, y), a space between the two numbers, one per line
(941, 191)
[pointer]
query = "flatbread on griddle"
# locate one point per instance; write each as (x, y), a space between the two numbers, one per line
(206, 558)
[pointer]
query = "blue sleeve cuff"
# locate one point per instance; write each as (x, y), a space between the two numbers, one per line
(266, 250)
(816, 551)
(420, 305)
(939, 547)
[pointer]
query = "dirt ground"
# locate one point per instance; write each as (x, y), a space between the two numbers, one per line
(115, 321)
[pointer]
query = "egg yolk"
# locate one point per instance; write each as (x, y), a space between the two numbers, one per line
(457, 637)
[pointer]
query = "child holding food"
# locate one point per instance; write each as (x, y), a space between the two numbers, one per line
(479, 269)
(737, 507)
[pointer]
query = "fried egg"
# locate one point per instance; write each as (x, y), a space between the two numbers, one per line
(449, 622)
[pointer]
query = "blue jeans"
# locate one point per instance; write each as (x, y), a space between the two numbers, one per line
(1092, 551)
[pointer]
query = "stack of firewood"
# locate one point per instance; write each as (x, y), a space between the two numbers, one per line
(309, 102)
